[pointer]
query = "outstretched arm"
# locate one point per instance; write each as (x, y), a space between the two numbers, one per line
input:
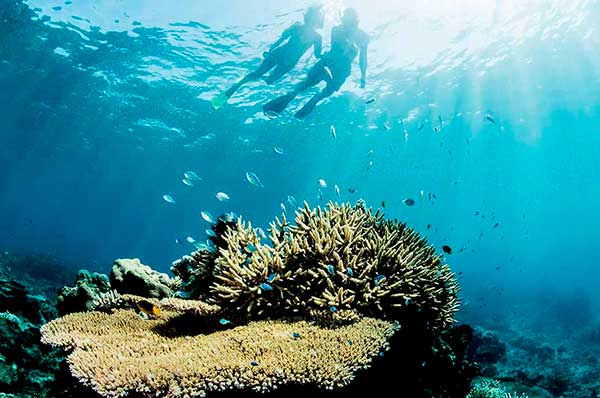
(363, 60)
(284, 36)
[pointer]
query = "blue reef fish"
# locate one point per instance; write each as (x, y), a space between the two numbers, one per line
(266, 287)
(381, 353)
(168, 199)
(182, 294)
(279, 150)
(202, 246)
(250, 248)
(409, 202)
(179, 241)
(261, 233)
(330, 269)
(206, 216)
(254, 363)
(296, 335)
(350, 342)
(271, 277)
(349, 271)
(292, 201)
(333, 308)
(253, 179)
(378, 279)
(224, 321)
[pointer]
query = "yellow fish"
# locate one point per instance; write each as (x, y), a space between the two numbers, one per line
(148, 308)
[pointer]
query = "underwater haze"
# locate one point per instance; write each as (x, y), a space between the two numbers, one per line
(485, 113)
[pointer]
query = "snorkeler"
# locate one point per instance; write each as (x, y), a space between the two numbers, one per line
(284, 54)
(347, 41)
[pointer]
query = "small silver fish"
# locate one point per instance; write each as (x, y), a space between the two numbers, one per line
(279, 150)
(168, 199)
(282, 206)
(489, 118)
(222, 196)
(211, 233)
(191, 240)
(386, 126)
(292, 201)
(187, 182)
(190, 175)
(337, 190)
(328, 72)
(253, 179)
(332, 130)
(206, 216)
(322, 183)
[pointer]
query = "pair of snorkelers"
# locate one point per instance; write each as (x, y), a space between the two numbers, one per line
(347, 42)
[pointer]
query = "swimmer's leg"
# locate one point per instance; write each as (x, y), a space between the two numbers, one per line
(331, 87)
(277, 73)
(277, 105)
(267, 64)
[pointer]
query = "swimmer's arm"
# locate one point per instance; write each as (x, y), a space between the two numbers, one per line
(318, 46)
(284, 36)
(363, 60)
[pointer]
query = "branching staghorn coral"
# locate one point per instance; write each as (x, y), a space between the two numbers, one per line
(120, 354)
(340, 258)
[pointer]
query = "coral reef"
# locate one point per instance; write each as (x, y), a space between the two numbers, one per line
(486, 350)
(26, 367)
(132, 277)
(333, 263)
(121, 353)
(87, 290)
(312, 306)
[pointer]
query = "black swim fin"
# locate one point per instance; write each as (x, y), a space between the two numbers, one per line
(278, 105)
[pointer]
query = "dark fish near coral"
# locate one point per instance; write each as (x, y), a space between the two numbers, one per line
(409, 202)
(421, 126)
(428, 226)
(447, 249)
(496, 225)
(148, 308)
(352, 190)
(383, 204)
(369, 101)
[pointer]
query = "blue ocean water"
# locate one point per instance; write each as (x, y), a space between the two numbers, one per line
(105, 105)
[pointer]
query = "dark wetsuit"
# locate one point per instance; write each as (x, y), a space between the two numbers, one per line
(283, 55)
(334, 67)
(345, 46)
